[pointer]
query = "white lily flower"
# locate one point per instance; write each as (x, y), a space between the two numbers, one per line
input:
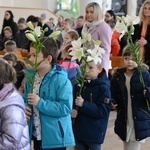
(77, 53)
(30, 37)
(95, 54)
(54, 34)
(77, 44)
(121, 27)
(37, 31)
(30, 25)
(132, 20)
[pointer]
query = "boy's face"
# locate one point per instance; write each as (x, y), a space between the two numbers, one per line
(92, 70)
(21, 26)
(80, 22)
(39, 58)
(7, 34)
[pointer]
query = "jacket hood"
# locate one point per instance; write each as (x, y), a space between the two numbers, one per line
(102, 79)
(55, 69)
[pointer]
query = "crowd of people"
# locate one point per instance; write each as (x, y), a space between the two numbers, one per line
(46, 115)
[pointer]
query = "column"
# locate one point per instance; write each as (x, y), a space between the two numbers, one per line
(131, 7)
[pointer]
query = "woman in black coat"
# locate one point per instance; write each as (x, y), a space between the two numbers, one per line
(9, 21)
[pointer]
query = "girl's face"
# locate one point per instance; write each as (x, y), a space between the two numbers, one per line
(108, 16)
(146, 10)
(90, 14)
(67, 38)
(7, 15)
(7, 34)
(92, 70)
(128, 62)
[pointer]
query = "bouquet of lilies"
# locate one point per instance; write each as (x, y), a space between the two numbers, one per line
(81, 51)
(125, 26)
(35, 34)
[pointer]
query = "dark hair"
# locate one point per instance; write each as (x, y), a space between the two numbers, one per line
(22, 20)
(10, 57)
(111, 12)
(80, 17)
(7, 75)
(32, 19)
(50, 48)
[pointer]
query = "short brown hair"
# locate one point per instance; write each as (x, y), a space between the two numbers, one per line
(10, 57)
(10, 46)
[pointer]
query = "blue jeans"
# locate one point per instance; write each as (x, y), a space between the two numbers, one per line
(87, 146)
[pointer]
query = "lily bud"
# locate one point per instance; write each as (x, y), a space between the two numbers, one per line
(30, 25)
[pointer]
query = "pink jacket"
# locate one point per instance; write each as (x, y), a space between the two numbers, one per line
(103, 33)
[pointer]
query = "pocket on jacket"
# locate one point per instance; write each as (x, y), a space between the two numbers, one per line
(61, 129)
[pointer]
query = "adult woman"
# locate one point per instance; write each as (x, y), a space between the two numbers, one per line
(110, 15)
(99, 30)
(9, 21)
(142, 32)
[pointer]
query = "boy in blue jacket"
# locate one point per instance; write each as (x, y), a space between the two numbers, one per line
(51, 99)
(91, 119)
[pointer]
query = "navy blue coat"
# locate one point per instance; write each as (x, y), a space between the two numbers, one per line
(141, 114)
(92, 119)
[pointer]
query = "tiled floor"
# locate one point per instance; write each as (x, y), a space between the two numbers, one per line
(112, 142)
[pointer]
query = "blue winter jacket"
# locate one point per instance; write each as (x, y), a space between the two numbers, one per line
(92, 119)
(141, 114)
(55, 107)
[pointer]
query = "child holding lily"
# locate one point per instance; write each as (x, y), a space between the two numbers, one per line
(50, 102)
(92, 102)
(132, 124)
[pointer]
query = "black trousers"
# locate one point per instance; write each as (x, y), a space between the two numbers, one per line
(37, 145)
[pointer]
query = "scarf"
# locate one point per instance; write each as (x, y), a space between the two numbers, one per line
(89, 26)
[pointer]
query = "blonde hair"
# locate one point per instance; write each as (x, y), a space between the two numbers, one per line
(141, 12)
(97, 11)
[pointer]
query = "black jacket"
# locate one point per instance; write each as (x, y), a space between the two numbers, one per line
(92, 119)
(137, 36)
(141, 114)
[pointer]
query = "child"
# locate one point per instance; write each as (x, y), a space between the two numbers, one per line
(13, 130)
(51, 100)
(19, 66)
(79, 25)
(7, 36)
(22, 42)
(132, 124)
(69, 36)
(93, 109)
(10, 46)
(71, 66)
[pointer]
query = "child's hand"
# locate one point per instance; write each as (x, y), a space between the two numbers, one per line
(74, 113)
(79, 101)
(142, 41)
(144, 92)
(28, 113)
(113, 106)
(33, 99)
